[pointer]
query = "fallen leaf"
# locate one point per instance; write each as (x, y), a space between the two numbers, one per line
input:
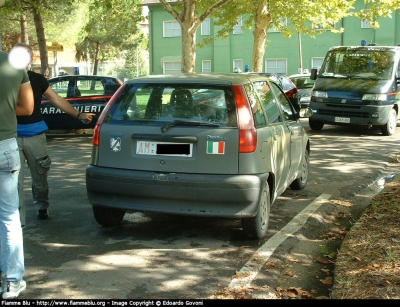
(327, 281)
(290, 273)
(323, 261)
(342, 203)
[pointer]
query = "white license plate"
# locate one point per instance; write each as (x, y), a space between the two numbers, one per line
(164, 149)
(342, 120)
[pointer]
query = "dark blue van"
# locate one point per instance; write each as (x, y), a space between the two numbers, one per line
(357, 85)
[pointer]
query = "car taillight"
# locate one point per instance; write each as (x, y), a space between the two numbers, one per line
(99, 123)
(292, 93)
(247, 131)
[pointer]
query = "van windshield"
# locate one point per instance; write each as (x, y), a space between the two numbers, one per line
(359, 63)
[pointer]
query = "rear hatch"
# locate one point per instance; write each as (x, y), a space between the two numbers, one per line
(183, 128)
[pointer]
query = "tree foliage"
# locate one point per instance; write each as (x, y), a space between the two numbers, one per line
(27, 17)
(112, 27)
(190, 14)
(306, 16)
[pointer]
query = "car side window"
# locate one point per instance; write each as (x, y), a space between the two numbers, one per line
(60, 87)
(258, 113)
(286, 106)
(269, 103)
(90, 87)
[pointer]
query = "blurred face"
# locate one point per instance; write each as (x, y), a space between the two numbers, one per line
(30, 55)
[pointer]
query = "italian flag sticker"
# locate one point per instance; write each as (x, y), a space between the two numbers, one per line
(216, 148)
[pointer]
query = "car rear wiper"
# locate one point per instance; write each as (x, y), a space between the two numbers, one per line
(186, 123)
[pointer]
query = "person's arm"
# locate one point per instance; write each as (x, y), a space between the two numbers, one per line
(25, 102)
(65, 106)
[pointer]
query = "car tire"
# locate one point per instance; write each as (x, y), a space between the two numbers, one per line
(108, 217)
(390, 127)
(315, 124)
(257, 226)
(300, 182)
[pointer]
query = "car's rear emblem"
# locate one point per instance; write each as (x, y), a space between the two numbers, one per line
(115, 144)
(216, 148)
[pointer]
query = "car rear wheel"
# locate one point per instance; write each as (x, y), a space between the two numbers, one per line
(315, 124)
(300, 182)
(257, 226)
(390, 127)
(108, 217)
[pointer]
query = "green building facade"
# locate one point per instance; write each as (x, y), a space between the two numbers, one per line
(282, 55)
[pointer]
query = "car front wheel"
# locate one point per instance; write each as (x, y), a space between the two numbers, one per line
(257, 226)
(390, 127)
(108, 217)
(315, 124)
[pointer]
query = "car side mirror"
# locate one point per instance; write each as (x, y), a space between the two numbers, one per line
(313, 75)
(305, 112)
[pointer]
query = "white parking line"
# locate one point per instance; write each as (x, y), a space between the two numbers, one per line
(260, 257)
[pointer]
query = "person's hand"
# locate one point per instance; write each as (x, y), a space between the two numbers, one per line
(88, 117)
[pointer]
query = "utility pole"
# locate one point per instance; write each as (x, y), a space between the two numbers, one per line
(137, 62)
(300, 53)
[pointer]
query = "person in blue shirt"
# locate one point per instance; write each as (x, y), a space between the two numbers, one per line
(32, 141)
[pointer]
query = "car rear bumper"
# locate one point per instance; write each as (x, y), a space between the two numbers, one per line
(231, 196)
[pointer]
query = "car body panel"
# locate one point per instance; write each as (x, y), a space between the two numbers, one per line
(304, 85)
(86, 93)
(132, 169)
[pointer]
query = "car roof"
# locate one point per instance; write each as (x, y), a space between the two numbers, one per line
(370, 47)
(300, 75)
(190, 78)
(67, 77)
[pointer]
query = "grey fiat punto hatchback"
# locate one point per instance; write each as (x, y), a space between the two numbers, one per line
(209, 145)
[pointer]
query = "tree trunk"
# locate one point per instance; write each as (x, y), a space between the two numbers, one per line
(188, 50)
(24, 30)
(189, 24)
(96, 56)
(44, 59)
(262, 21)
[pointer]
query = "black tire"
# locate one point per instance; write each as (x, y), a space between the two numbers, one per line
(108, 217)
(257, 226)
(315, 124)
(300, 182)
(390, 127)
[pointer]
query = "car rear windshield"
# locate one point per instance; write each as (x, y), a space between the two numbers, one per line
(140, 103)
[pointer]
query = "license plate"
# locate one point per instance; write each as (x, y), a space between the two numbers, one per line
(164, 149)
(342, 120)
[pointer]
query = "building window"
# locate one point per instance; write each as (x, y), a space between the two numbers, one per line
(365, 24)
(316, 62)
(283, 23)
(237, 65)
(206, 66)
(276, 66)
(172, 29)
(237, 29)
(172, 67)
(205, 27)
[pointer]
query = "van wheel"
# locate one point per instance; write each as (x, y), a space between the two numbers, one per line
(108, 217)
(300, 182)
(257, 226)
(390, 127)
(315, 124)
